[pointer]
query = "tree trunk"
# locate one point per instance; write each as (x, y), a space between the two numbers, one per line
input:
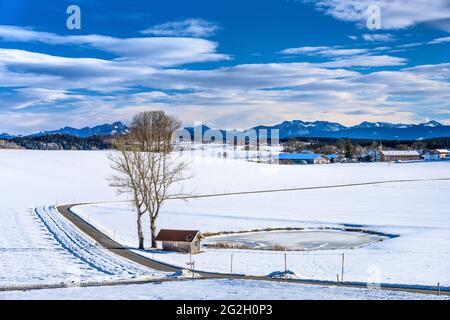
(153, 232)
(140, 232)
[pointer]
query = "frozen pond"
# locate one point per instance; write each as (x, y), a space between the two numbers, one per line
(294, 240)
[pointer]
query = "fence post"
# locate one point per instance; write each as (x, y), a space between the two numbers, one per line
(337, 278)
(231, 264)
(342, 270)
(439, 289)
(285, 266)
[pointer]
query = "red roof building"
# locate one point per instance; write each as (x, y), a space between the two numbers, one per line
(180, 240)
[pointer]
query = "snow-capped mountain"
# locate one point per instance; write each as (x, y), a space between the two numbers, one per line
(100, 130)
(367, 124)
(394, 131)
(6, 136)
(431, 123)
(364, 130)
(298, 128)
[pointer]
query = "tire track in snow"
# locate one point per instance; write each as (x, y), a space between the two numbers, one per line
(83, 249)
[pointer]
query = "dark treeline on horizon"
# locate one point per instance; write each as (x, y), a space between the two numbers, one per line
(71, 142)
(62, 142)
(429, 144)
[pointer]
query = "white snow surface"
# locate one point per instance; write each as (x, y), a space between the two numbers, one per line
(217, 289)
(40, 247)
(417, 211)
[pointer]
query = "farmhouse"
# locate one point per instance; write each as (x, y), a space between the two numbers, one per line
(180, 240)
(399, 155)
(302, 158)
(442, 153)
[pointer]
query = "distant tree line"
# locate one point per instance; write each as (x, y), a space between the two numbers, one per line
(360, 149)
(62, 142)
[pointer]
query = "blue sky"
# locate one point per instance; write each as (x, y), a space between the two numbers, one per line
(230, 64)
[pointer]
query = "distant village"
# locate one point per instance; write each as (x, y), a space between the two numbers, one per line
(326, 151)
(308, 157)
(348, 151)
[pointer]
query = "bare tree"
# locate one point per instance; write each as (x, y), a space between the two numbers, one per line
(163, 171)
(147, 166)
(127, 162)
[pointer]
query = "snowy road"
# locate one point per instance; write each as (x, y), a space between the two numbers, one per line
(85, 249)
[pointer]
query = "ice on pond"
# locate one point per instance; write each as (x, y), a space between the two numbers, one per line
(294, 240)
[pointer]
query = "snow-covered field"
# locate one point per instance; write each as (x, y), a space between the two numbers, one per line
(216, 289)
(417, 211)
(39, 247)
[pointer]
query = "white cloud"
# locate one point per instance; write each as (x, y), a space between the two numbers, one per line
(24, 68)
(410, 45)
(103, 75)
(366, 61)
(334, 51)
(238, 96)
(440, 40)
(185, 28)
(22, 98)
(395, 14)
(433, 71)
(249, 76)
(304, 50)
(378, 37)
(155, 51)
(348, 57)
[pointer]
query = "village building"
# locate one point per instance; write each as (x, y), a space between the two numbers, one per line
(399, 155)
(430, 156)
(302, 158)
(442, 153)
(333, 158)
(180, 240)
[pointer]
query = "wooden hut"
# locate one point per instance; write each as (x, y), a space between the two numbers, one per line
(180, 240)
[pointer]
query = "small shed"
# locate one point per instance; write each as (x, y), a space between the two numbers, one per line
(180, 240)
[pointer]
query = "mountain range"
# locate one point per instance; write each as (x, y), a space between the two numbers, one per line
(293, 129)
(365, 130)
(100, 130)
